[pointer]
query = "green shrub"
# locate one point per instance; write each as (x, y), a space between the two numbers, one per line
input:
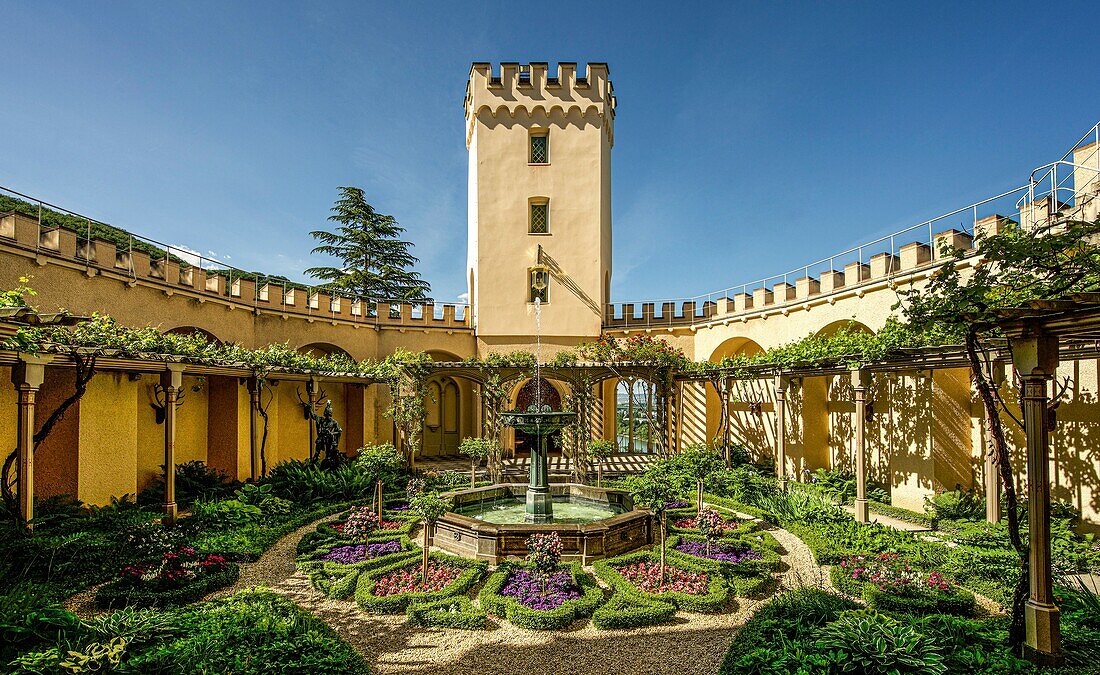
(305, 483)
(624, 611)
(884, 509)
(872, 643)
(226, 514)
(29, 619)
(472, 571)
(520, 615)
(957, 504)
(194, 481)
(457, 612)
(249, 542)
(253, 632)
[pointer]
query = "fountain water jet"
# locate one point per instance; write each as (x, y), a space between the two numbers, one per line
(539, 421)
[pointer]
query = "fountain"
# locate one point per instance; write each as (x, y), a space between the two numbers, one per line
(492, 523)
(539, 421)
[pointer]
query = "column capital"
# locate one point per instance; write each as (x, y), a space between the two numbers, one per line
(1035, 356)
(861, 378)
(172, 376)
(30, 371)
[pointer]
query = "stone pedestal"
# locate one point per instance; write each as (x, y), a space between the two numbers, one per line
(540, 505)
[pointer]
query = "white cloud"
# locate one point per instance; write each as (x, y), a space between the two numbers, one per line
(464, 297)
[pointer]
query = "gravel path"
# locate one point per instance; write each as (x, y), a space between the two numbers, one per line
(695, 643)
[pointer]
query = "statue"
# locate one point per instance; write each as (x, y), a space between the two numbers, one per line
(327, 447)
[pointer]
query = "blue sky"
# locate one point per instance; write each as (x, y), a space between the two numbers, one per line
(751, 137)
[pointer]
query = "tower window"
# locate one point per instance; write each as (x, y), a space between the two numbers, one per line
(540, 217)
(540, 147)
(538, 282)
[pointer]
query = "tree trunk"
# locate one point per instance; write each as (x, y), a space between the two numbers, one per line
(698, 496)
(599, 474)
(999, 448)
(663, 548)
(424, 565)
(378, 493)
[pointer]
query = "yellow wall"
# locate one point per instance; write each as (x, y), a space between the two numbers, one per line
(108, 445)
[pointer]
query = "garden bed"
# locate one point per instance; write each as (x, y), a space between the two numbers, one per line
(516, 593)
(695, 586)
(391, 588)
(887, 582)
(334, 566)
(126, 593)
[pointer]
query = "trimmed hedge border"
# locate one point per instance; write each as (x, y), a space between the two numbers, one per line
(123, 594)
(533, 619)
(456, 612)
(915, 517)
(624, 611)
(410, 522)
(732, 505)
(958, 601)
(744, 527)
(338, 580)
(472, 571)
(714, 600)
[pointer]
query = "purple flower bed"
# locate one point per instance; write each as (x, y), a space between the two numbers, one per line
(538, 593)
(398, 506)
(358, 553)
(678, 505)
(728, 553)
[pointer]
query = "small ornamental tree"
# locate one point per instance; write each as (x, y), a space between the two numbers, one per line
(430, 507)
(600, 450)
(658, 487)
(544, 552)
(699, 461)
(476, 449)
(711, 525)
(382, 463)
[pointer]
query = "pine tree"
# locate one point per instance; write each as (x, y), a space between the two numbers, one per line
(376, 262)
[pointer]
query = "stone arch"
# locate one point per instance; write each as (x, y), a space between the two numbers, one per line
(850, 324)
(194, 330)
(745, 426)
(523, 395)
(320, 349)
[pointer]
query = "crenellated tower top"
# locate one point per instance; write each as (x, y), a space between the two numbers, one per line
(515, 88)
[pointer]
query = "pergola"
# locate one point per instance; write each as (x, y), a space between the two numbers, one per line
(28, 374)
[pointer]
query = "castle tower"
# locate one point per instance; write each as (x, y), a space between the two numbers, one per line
(539, 202)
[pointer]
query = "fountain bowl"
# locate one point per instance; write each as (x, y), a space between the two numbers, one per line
(624, 528)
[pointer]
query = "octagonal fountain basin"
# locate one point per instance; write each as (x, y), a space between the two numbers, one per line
(488, 523)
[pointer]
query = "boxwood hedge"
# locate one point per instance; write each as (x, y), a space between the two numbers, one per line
(456, 612)
(516, 613)
(472, 571)
(769, 562)
(632, 611)
(338, 580)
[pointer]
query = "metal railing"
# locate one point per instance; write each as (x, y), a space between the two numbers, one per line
(1019, 204)
(51, 217)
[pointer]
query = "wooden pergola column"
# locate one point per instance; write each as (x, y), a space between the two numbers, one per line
(171, 380)
(27, 376)
(782, 383)
(861, 381)
(1036, 360)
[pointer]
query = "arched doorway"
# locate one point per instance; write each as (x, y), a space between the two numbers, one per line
(442, 417)
(544, 392)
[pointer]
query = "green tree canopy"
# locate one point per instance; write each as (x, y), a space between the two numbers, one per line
(377, 263)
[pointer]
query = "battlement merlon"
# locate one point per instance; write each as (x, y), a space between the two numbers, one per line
(531, 86)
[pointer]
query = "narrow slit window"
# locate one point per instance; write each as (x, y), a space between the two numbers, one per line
(540, 147)
(540, 217)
